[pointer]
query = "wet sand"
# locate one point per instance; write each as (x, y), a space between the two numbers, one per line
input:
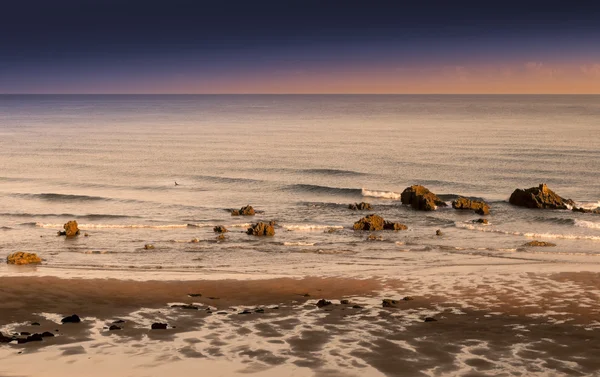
(509, 324)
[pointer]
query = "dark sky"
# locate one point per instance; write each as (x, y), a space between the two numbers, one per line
(106, 46)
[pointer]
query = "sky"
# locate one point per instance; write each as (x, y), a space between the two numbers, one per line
(308, 46)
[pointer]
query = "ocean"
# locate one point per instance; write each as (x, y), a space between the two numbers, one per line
(111, 163)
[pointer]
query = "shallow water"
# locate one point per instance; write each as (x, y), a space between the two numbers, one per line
(110, 162)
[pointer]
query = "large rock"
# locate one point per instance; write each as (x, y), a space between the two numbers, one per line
(420, 198)
(244, 211)
(375, 222)
(23, 258)
(261, 229)
(362, 206)
(71, 229)
(480, 207)
(539, 197)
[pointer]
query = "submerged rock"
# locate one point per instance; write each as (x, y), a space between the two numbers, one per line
(362, 206)
(420, 198)
(539, 243)
(71, 319)
(71, 229)
(21, 257)
(480, 207)
(375, 222)
(539, 197)
(220, 229)
(159, 326)
(261, 229)
(244, 211)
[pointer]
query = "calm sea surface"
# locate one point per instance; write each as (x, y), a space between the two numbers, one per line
(110, 162)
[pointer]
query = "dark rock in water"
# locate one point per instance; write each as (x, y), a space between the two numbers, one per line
(35, 338)
(375, 222)
(439, 232)
(539, 197)
(539, 243)
(389, 303)
(245, 311)
(195, 294)
(148, 246)
(118, 321)
(21, 257)
(362, 206)
(47, 334)
(481, 221)
(71, 229)
(221, 237)
(420, 198)
(480, 207)
(261, 229)
(159, 326)
(71, 319)
(35, 324)
(244, 211)
(185, 306)
(113, 328)
(322, 303)
(220, 229)
(585, 210)
(25, 333)
(430, 319)
(408, 298)
(345, 302)
(356, 307)
(5, 339)
(259, 310)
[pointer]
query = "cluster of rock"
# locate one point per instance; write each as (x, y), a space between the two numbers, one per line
(244, 211)
(480, 207)
(539, 197)
(21, 257)
(421, 199)
(375, 222)
(362, 206)
(25, 337)
(261, 229)
(71, 229)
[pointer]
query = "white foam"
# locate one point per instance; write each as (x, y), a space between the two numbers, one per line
(123, 226)
(587, 224)
(309, 227)
(380, 194)
(531, 235)
(588, 205)
(299, 243)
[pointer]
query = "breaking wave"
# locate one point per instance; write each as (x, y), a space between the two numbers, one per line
(528, 234)
(380, 194)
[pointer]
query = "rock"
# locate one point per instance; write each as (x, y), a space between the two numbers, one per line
(159, 326)
(5, 339)
(244, 211)
(148, 246)
(35, 324)
(86, 235)
(480, 207)
(195, 294)
(389, 303)
(245, 311)
(47, 334)
(373, 237)
(195, 240)
(71, 229)
(420, 198)
(356, 307)
(35, 338)
(113, 328)
(185, 306)
(362, 206)
(585, 210)
(430, 319)
(71, 319)
(408, 298)
(481, 221)
(322, 302)
(539, 197)
(331, 230)
(118, 321)
(25, 333)
(539, 243)
(259, 310)
(23, 258)
(221, 237)
(261, 229)
(375, 222)
(220, 229)
(345, 302)
(439, 232)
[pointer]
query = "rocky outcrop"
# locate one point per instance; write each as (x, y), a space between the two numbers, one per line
(480, 207)
(362, 206)
(420, 198)
(220, 229)
(71, 229)
(23, 258)
(244, 211)
(375, 222)
(539, 243)
(261, 229)
(539, 197)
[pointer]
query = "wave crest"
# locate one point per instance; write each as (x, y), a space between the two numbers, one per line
(380, 194)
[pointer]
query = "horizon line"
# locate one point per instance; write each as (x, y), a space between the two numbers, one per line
(299, 94)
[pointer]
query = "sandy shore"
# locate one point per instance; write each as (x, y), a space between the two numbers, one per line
(512, 324)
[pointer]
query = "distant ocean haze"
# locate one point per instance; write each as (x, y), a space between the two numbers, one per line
(111, 163)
